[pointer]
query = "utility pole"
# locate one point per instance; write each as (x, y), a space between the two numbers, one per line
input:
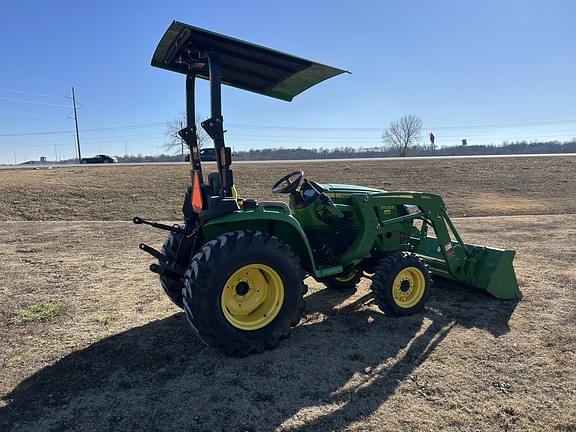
(76, 123)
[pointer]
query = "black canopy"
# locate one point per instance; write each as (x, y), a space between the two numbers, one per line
(243, 65)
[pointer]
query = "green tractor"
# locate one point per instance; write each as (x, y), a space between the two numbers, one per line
(237, 266)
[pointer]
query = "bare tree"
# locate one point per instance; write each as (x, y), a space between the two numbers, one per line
(173, 140)
(403, 133)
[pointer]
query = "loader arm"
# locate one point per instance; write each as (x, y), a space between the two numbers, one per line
(489, 269)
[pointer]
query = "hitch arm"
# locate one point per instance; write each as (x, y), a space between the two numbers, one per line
(171, 228)
(164, 271)
(165, 262)
(155, 253)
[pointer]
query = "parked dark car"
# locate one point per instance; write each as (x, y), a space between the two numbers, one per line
(206, 155)
(99, 159)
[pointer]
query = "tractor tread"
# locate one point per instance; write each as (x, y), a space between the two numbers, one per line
(172, 288)
(384, 273)
(210, 260)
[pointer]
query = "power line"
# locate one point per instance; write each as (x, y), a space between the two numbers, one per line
(376, 142)
(299, 128)
(110, 138)
(116, 141)
(295, 128)
(356, 138)
(62, 132)
(312, 139)
(36, 145)
(113, 138)
(28, 93)
(507, 125)
(31, 115)
(377, 138)
(352, 129)
(33, 102)
(136, 126)
(36, 133)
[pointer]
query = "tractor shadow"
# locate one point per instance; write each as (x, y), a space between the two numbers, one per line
(160, 377)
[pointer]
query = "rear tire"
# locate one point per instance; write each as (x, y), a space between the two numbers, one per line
(344, 281)
(173, 288)
(243, 291)
(401, 284)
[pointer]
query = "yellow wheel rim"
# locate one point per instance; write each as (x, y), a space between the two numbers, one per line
(408, 287)
(252, 297)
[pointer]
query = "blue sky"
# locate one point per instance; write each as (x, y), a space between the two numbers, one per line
(482, 70)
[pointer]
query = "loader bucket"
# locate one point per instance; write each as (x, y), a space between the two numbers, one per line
(485, 268)
(493, 272)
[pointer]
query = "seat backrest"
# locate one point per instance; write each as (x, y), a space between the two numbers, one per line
(214, 182)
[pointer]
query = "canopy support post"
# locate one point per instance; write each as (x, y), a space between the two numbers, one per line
(214, 127)
(188, 134)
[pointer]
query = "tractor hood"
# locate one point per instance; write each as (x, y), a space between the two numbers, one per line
(244, 65)
(348, 189)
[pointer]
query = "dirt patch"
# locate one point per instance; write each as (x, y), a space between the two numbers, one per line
(121, 357)
(472, 187)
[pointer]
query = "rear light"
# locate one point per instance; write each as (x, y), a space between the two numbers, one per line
(197, 203)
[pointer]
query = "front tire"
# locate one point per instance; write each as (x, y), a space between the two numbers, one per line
(401, 284)
(243, 291)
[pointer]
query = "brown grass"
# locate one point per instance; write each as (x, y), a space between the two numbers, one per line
(119, 356)
(470, 187)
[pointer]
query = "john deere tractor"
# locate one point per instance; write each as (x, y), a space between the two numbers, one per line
(237, 266)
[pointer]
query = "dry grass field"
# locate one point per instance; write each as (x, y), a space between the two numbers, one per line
(88, 341)
(470, 187)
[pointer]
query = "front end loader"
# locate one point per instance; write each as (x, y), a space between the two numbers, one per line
(237, 266)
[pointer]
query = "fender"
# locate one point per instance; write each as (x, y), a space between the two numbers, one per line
(275, 222)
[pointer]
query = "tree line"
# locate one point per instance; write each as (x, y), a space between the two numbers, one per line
(403, 137)
(521, 147)
(299, 153)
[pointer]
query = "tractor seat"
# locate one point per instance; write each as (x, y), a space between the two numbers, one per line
(214, 186)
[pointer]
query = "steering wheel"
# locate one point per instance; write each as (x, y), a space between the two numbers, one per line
(289, 183)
